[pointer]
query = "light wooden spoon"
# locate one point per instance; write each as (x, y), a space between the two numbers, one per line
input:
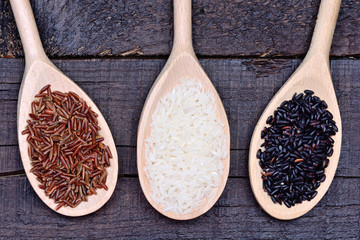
(39, 71)
(181, 64)
(313, 74)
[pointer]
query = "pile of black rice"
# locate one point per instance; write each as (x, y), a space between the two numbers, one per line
(297, 145)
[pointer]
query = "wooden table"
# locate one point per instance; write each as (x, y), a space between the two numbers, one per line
(115, 49)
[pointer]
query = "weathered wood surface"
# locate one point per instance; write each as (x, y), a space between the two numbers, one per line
(128, 215)
(119, 88)
(220, 28)
(231, 35)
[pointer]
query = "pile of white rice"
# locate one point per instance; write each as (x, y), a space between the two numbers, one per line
(185, 149)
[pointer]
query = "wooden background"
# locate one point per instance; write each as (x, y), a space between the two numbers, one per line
(115, 49)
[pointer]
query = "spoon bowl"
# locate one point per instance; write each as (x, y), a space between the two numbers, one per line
(181, 64)
(313, 74)
(39, 71)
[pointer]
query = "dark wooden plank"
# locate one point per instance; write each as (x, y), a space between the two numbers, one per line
(10, 160)
(128, 215)
(127, 161)
(220, 28)
(119, 88)
(346, 76)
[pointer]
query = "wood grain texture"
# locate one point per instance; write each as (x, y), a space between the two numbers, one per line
(220, 28)
(128, 215)
(348, 167)
(239, 29)
(119, 88)
(127, 161)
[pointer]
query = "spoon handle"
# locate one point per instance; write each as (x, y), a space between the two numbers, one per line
(182, 27)
(324, 29)
(29, 34)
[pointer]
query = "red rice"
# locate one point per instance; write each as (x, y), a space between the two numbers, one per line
(66, 151)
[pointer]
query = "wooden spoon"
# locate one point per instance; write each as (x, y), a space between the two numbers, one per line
(181, 64)
(313, 74)
(39, 71)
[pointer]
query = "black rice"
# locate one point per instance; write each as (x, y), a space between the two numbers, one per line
(296, 148)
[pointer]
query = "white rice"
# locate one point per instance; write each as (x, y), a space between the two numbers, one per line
(185, 149)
